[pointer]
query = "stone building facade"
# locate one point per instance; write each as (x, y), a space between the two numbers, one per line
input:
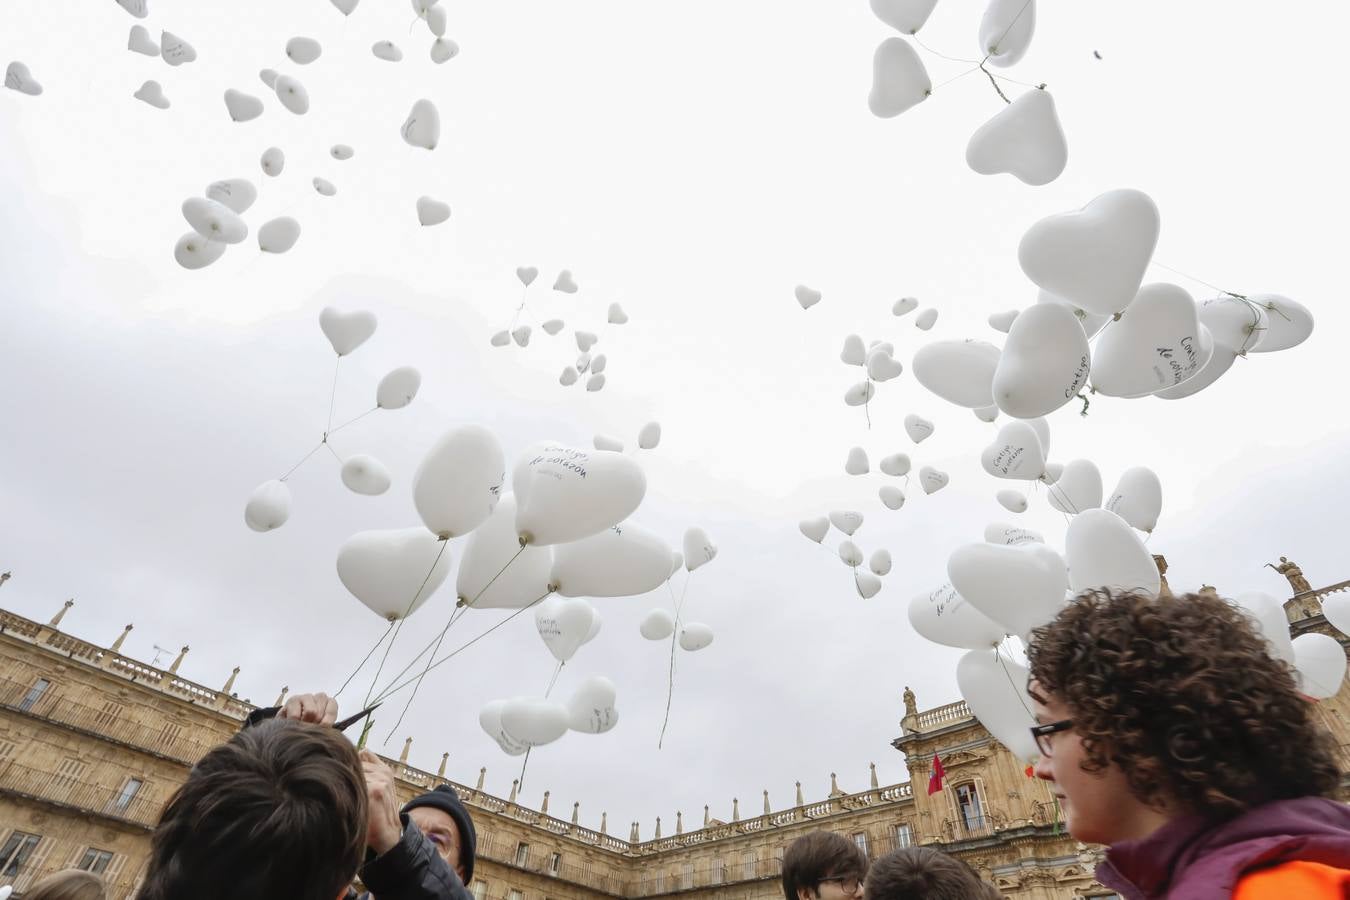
(93, 742)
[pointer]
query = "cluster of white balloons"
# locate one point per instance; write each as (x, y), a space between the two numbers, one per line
(521, 723)
(867, 582)
(269, 506)
(649, 437)
(589, 366)
(217, 223)
(661, 624)
(1025, 139)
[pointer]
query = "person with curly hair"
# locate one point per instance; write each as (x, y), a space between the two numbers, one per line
(1169, 732)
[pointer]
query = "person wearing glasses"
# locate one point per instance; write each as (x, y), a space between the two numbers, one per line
(823, 865)
(1168, 732)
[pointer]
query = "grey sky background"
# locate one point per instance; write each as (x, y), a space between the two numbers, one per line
(693, 165)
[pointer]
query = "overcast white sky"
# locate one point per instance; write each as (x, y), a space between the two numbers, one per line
(695, 163)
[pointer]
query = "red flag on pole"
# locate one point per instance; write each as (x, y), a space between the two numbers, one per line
(935, 775)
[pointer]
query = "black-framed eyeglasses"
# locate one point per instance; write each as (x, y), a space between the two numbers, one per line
(847, 883)
(1041, 735)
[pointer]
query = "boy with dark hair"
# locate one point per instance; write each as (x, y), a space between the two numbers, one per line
(277, 813)
(823, 865)
(921, 873)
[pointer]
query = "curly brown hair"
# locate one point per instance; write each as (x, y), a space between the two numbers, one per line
(1183, 696)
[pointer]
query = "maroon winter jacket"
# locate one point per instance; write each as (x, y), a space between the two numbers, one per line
(1192, 858)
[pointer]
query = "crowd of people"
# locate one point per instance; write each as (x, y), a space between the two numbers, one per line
(1167, 732)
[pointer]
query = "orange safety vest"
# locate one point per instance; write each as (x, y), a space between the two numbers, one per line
(1296, 879)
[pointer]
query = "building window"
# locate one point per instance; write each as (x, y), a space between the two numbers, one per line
(554, 863)
(129, 792)
(968, 799)
(34, 694)
(479, 890)
(95, 860)
(687, 876)
(515, 895)
(748, 865)
(16, 851)
(860, 838)
(522, 853)
(904, 835)
(717, 873)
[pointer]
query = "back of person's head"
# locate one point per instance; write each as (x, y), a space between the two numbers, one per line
(277, 813)
(818, 856)
(921, 873)
(68, 884)
(1183, 695)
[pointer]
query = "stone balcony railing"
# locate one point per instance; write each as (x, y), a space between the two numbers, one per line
(92, 799)
(942, 716)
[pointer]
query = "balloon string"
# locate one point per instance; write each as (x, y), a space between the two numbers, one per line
(334, 431)
(867, 401)
(670, 684)
(554, 680)
(453, 616)
(918, 41)
(1016, 690)
(369, 654)
(520, 782)
(302, 461)
(413, 696)
(954, 78)
(334, 452)
(332, 396)
(399, 627)
(467, 645)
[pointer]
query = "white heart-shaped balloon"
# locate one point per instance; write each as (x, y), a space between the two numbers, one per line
(918, 428)
(1319, 661)
(623, 561)
(905, 16)
(846, 520)
(174, 50)
(364, 474)
(1023, 139)
(591, 709)
(586, 340)
(960, 372)
(650, 436)
(995, 689)
(422, 128)
(140, 41)
(278, 235)
(569, 375)
(431, 211)
(292, 94)
(1015, 453)
(1012, 501)
(891, 496)
(880, 563)
(136, 7)
(398, 388)
(272, 161)
(1288, 322)
(151, 92)
(1137, 498)
(615, 315)
(899, 79)
(944, 617)
(814, 529)
(459, 481)
(595, 382)
(1336, 608)
(1090, 322)
(269, 506)
(1011, 535)
(895, 465)
(857, 464)
(1052, 472)
(882, 366)
(1271, 622)
(325, 187)
(860, 394)
(1006, 30)
(904, 305)
(699, 549)
(695, 636)
(1157, 344)
(387, 51)
(437, 20)
(496, 572)
(1220, 361)
(1044, 364)
(269, 78)
(925, 320)
(345, 7)
(986, 413)
(657, 625)
(605, 442)
(1234, 323)
(521, 335)
(598, 364)
(393, 572)
(214, 221)
(535, 722)
(303, 50)
(1103, 551)
(490, 717)
(237, 194)
(1095, 257)
(933, 480)
(1078, 487)
(346, 331)
(1002, 321)
(854, 352)
(850, 554)
(806, 296)
(563, 623)
(1018, 587)
(527, 274)
(867, 584)
(196, 252)
(553, 326)
(565, 282)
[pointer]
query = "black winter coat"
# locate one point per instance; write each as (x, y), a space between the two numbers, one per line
(410, 870)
